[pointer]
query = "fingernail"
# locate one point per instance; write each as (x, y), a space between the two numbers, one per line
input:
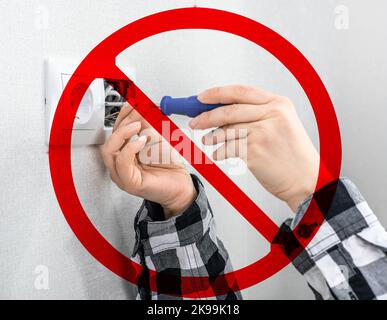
(134, 124)
(143, 138)
(193, 122)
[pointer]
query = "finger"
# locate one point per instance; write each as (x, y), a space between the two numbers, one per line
(236, 94)
(160, 154)
(128, 153)
(125, 163)
(108, 160)
(114, 143)
(158, 150)
(154, 136)
(119, 137)
(133, 116)
(231, 149)
(227, 133)
(126, 110)
(230, 114)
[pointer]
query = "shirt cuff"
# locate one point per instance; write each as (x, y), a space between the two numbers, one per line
(155, 234)
(346, 213)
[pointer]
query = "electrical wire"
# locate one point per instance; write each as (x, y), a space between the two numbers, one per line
(113, 104)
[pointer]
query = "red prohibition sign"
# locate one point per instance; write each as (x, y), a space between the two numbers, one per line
(100, 63)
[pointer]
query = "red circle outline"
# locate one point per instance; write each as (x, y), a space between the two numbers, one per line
(100, 61)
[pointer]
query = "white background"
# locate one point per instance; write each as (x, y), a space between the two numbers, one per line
(33, 231)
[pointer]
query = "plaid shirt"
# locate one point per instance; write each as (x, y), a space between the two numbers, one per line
(346, 259)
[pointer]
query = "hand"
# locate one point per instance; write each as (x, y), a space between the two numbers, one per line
(278, 151)
(168, 184)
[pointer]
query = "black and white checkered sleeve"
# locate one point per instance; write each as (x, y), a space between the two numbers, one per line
(182, 246)
(347, 257)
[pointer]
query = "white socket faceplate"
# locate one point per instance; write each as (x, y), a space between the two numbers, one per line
(88, 125)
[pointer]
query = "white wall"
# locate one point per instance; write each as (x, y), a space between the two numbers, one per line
(352, 64)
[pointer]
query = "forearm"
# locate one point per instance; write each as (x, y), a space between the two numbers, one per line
(346, 259)
(182, 246)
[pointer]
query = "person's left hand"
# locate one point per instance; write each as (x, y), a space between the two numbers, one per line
(168, 184)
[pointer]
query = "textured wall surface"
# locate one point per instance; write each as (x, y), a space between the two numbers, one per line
(33, 231)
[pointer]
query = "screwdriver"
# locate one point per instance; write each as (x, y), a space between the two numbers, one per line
(189, 106)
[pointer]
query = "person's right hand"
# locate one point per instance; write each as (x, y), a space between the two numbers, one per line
(279, 151)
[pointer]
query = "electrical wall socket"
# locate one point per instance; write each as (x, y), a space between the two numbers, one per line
(88, 127)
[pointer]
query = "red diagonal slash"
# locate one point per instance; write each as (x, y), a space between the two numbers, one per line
(100, 63)
(207, 168)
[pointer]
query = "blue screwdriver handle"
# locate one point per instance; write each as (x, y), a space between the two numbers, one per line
(189, 106)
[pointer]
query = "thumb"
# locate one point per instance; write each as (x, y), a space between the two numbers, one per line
(126, 166)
